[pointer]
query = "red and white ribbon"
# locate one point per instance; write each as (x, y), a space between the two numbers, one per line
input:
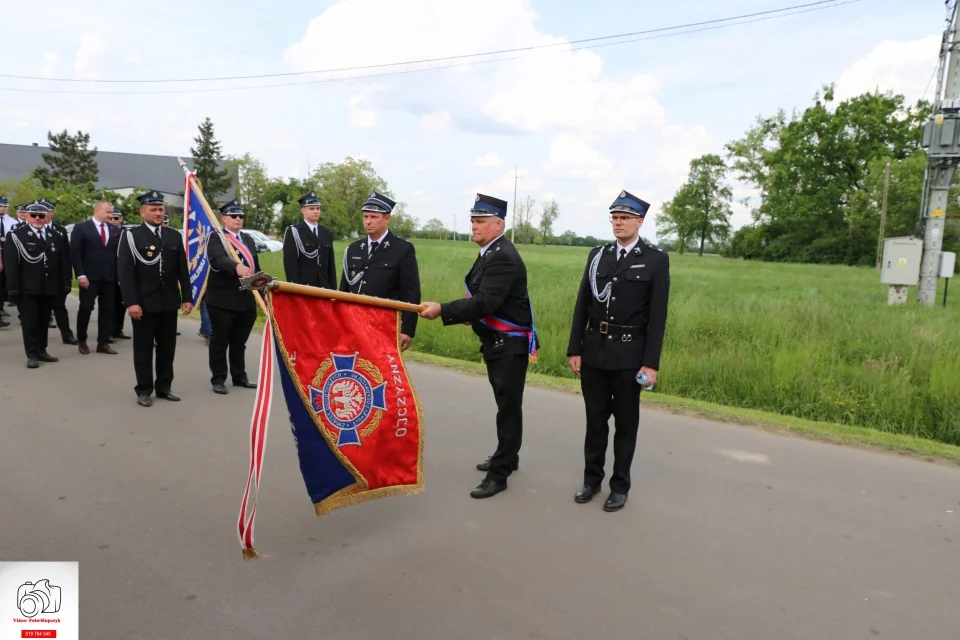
(258, 442)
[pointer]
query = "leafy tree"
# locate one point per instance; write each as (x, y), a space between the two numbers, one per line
(69, 160)
(207, 156)
(343, 188)
(549, 213)
(809, 169)
(254, 191)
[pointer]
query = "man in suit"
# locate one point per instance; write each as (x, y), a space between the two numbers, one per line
(617, 335)
(38, 274)
(93, 251)
(154, 283)
(308, 248)
(383, 265)
(498, 309)
(60, 305)
(232, 311)
(119, 309)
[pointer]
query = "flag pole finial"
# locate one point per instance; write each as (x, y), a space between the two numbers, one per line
(259, 281)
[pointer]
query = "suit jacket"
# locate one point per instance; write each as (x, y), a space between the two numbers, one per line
(389, 272)
(318, 271)
(498, 286)
(223, 284)
(156, 288)
(49, 276)
(90, 257)
(640, 288)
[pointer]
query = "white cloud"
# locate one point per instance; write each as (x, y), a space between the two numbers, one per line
(435, 122)
(92, 46)
(360, 117)
(574, 155)
(553, 88)
(899, 66)
(50, 60)
(419, 195)
(492, 159)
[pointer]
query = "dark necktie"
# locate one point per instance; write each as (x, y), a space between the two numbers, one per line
(623, 253)
(103, 234)
(373, 247)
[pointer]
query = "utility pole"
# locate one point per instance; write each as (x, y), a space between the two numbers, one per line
(513, 227)
(940, 138)
(454, 227)
(883, 214)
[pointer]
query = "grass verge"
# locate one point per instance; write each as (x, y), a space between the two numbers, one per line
(929, 450)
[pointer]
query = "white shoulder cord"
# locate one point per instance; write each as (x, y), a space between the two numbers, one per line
(350, 281)
(22, 250)
(137, 256)
(296, 238)
(601, 296)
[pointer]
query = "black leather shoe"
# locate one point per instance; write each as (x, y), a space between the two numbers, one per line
(145, 401)
(221, 389)
(488, 488)
(121, 336)
(46, 357)
(485, 465)
(71, 340)
(585, 493)
(246, 384)
(32, 363)
(168, 395)
(615, 502)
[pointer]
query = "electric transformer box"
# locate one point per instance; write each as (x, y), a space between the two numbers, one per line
(901, 261)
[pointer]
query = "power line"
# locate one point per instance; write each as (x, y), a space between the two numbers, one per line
(822, 4)
(834, 3)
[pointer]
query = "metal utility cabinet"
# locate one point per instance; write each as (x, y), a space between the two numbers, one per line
(901, 261)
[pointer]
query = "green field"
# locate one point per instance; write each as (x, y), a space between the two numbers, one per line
(816, 342)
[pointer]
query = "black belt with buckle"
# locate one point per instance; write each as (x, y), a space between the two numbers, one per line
(606, 328)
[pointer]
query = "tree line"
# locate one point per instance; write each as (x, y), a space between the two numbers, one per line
(70, 173)
(819, 175)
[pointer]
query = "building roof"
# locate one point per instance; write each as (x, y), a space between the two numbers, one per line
(116, 170)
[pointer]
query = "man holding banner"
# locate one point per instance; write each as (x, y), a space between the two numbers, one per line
(232, 311)
(498, 308)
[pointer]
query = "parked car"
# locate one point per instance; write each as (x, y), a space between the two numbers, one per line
(265, 244)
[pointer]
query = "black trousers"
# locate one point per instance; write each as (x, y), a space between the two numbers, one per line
(35, 322)
(100, 292)
(120, 312)
(162, 327)
(507, 376)
(63, 318)
(230, 332)
(607, 393)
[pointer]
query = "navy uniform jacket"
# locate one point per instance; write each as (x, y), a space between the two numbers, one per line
(144, 285)
(637, 307)
(89, 255)
(223, 284)
(498, 285)
(389, 272)
(50, 277)
(318, 271)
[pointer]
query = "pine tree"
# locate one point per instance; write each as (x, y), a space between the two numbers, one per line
(206, 156)
(69, 160)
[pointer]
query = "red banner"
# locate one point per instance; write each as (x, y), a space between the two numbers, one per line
(343, 365)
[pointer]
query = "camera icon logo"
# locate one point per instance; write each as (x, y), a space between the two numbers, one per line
(39, 597)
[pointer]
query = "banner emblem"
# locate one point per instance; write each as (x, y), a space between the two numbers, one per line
(345, 398)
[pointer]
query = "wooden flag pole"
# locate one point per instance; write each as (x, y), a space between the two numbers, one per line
(260, 281)
(233, 252)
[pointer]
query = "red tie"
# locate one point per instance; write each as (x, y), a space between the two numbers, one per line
(103, 235)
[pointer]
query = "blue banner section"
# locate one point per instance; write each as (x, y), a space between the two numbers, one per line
(323, 474)
(198, 228)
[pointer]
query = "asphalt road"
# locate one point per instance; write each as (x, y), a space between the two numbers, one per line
(730, 532)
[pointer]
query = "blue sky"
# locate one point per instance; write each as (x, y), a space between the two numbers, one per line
(580, 125)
